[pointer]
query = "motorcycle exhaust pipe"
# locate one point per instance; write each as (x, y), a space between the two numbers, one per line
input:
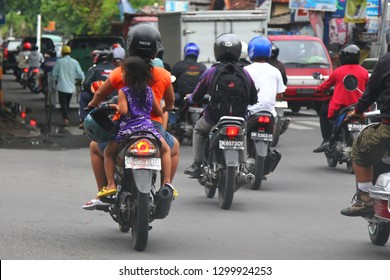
(164, 198)
(286, 123)
(244, 179)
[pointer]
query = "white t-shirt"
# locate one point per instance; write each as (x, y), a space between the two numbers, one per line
(268, 80)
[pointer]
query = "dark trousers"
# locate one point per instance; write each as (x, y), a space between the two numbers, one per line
(64, 100)
(325, 123)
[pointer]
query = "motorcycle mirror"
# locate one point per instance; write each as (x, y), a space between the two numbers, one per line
(317, 75)
(96, 85)
(351, 83)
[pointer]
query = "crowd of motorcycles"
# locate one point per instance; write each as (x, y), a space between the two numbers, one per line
(239, 153)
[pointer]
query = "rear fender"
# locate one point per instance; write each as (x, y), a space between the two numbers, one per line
(261, 148)
(143, 179)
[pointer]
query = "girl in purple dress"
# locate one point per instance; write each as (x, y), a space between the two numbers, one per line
(135, 102)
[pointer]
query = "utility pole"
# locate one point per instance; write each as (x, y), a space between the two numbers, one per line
(381, 42)
(39, 32)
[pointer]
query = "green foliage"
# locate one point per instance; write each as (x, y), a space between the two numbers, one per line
(71, 16)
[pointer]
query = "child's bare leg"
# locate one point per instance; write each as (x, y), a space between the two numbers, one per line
(165, 162)
(109, 164)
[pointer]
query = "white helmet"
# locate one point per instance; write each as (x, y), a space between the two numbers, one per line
(244, 50)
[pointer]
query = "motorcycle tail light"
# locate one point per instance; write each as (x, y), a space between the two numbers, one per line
(6, 53)
(264, 119)
(143, 147)
(25, 70)
(232, 131)
(33, 122)
(23, 115)
(36, 70)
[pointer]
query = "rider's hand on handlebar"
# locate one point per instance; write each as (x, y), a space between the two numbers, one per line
(353, 115)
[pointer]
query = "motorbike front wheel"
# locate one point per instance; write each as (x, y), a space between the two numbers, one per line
(259, 172)
(227, 187)
(379, 233)
(350, 167)
(140, 221)
(210, 191)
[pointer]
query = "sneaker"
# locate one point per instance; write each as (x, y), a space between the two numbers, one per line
(324, 146)
(364, 206)
(194, 170)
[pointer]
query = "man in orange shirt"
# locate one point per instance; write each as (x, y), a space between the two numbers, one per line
(161, 86)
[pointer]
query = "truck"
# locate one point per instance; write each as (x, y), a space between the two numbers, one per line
(203, 27)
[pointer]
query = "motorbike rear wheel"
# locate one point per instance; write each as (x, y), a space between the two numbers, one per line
(277, 132)
(210, 191)
(259, 172)
(331, 161)
(227, 187)
(140, 221)
(379, 233)
(350, 167)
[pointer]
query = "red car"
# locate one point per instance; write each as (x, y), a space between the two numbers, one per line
(302, 56)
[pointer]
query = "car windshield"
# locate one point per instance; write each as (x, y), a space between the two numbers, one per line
(302, 54)
(13, 45)
(94, 43)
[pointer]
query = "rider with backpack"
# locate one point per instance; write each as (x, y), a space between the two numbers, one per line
(231, 90)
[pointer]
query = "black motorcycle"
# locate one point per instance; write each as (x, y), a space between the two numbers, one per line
(139, 198)
(223, 168)
(261, 159)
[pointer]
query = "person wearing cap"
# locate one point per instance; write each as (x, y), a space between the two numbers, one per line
(66, 71)
(118, 54)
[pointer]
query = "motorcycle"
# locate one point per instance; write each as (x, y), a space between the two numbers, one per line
(344, 133)
(223, 167)
(261, 159)
(33, 80)
(379, 223)
(186, 118)
(281, 123)
(139, 200)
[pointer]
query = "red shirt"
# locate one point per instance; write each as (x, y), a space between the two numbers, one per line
(341, 96)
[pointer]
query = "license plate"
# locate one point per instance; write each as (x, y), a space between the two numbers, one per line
(229, 144)
(261, 136)
(356, 126)
(142, 163)
(305, 90)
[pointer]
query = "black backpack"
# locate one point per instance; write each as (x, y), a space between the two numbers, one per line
(229, 92)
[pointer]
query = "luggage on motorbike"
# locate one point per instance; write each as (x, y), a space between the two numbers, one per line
(229, 92)
(271, 161)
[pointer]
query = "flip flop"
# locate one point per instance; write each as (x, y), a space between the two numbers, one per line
(93, 203)
(104, 192)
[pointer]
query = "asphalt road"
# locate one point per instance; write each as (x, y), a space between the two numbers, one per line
(294, 216)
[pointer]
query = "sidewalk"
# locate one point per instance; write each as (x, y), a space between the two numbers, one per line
(43, 135)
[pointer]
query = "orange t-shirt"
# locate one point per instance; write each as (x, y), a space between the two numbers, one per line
(161, 82)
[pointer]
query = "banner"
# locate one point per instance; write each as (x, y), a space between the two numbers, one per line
(317, 24)
(315, 5)
(374, 8)
(337, 31)
(355, 11)
(340, 12)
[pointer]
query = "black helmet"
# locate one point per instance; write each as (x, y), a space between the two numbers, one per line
(227, 47)
(142, 40)
(99, 126)
(350, 54)
(274, 51)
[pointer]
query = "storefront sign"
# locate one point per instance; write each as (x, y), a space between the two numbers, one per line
(315, 5)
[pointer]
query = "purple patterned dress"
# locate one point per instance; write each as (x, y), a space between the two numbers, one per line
(138, 115)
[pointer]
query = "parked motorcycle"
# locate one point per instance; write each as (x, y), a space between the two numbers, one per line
(139, 198)
(261, 159)
(224, 167)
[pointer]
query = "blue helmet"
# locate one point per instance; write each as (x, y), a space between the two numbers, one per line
(259, 47)
(191, 49)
